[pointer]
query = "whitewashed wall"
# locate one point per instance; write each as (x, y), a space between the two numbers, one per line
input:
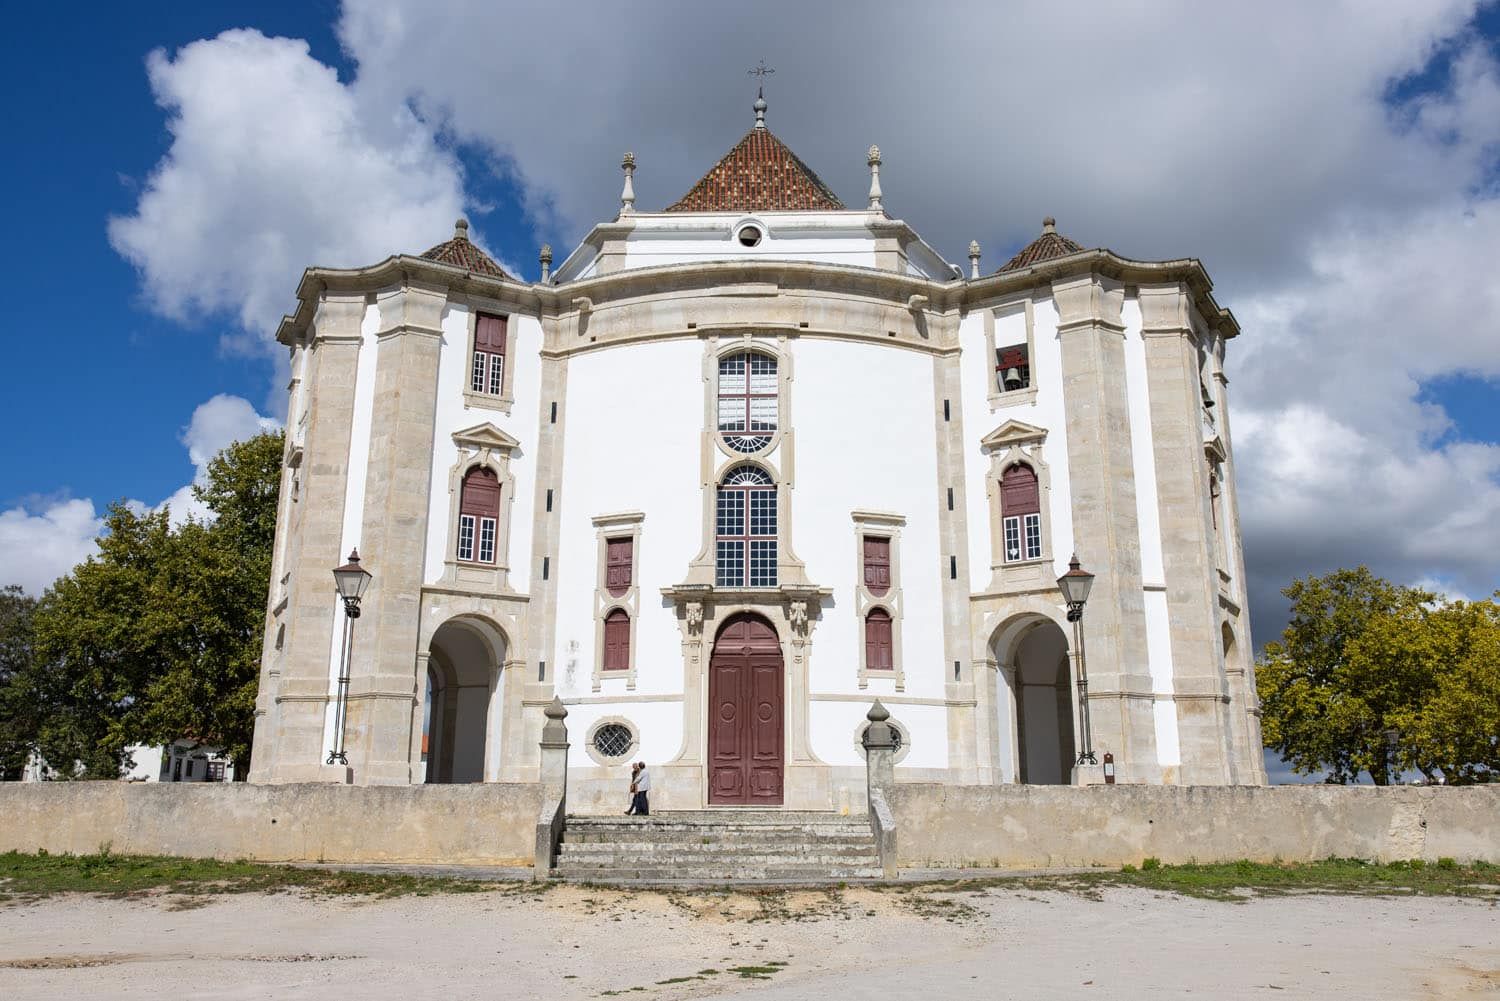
(633, 426)
(866, 439)
(524, 335)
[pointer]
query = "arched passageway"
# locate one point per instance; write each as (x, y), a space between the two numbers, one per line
(1034, 653)
(460, 672)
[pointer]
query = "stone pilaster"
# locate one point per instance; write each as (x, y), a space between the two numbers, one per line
(314, 546)
(393, 535)
(1187, 534)
(1105, 528)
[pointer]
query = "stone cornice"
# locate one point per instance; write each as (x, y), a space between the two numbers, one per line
(788, 276)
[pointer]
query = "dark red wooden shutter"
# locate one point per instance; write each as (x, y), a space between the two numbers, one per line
(481, 494)
(617, 641)
(1018, 491)
(878, 641)
(877, 565)
(489, 334)
(617, 565)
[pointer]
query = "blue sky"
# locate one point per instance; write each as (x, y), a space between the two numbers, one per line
(1333, 165)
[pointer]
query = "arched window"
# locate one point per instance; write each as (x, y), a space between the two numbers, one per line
(617, 641)
(878, 656)
(478, 516)
(745, 530)
(747, 400)
(1021, 513)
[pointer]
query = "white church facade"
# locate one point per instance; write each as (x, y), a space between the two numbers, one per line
(736, 469)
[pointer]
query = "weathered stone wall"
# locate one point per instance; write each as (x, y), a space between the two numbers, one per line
(490, 823)
(1036, 826)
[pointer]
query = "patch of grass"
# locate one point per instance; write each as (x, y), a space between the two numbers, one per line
(104, 872)
(1236, 881)
(756, 972)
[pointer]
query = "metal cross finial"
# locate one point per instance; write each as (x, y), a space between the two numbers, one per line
(761, 71)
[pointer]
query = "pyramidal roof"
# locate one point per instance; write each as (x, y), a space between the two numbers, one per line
(460, 253)
(1049, 246)
(760, 174)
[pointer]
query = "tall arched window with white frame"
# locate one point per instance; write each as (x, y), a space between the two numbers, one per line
(1021, 513)
(745, 529)
(748, 400)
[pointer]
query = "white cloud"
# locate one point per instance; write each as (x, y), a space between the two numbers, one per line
(274, 166)
(37, 546)
(44, 539)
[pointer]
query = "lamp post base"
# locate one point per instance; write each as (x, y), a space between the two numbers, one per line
(337, 774)
(1088, 775)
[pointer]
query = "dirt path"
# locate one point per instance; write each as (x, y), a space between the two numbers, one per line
(572, 942)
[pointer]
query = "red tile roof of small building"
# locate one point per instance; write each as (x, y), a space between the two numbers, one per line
(760, 174)
(460, 253)
(1050, 245)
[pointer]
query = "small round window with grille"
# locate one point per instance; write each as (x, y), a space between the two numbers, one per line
(613, 740)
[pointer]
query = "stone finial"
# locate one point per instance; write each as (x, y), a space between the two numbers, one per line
(879, 734)
(874, 161)
(1049, 225)
(461, 229)
(973, 258)
(627, 194)
(760, 108)
(545, 257)
(555, 732)
(555, 709)
(878, 713)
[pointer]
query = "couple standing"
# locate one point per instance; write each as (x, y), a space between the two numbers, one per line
(640, 785)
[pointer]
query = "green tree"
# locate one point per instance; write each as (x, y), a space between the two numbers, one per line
(1373, 677)
(18, 715)
(158, 636)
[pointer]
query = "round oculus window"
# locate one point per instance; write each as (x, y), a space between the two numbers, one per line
(613, 740)
(750, 236)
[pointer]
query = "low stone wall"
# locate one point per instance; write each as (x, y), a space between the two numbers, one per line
(493, 824)
(1044, 826)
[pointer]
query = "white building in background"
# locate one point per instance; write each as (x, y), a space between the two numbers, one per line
(734, 470)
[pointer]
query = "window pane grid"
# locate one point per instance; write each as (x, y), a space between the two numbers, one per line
(1033, 524)
(466, 537)
(748, 400)
(1012, 539)
(497, 374)
(746, 530)
(476, 378)
(486, 540)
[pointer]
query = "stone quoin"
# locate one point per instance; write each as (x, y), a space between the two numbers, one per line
(734, 470)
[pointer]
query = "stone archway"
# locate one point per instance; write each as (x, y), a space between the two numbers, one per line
(1034, 654)
(460, 675)
(746, 700)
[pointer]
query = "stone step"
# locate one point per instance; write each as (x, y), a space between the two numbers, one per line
(738, 860)
(652, 824)
(686, 875)
(789, 839)
(721, 818)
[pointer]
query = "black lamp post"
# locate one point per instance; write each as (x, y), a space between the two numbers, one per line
(352, 580)
(1075, 586)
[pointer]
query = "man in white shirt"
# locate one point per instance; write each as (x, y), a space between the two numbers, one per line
(642, 804)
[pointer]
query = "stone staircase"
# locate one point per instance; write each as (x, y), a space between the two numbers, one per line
(718, 846)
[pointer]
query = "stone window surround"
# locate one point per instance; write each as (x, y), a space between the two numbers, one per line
(997, 397)
(486, 446)
(622, 760)
(901, 752)
(717, 348)
(885, 525)
(488, 401)
(621, 525)
(1016, 442)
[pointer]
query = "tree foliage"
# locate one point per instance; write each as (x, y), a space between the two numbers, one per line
(18, 716)
(158, 636)
(1373, 677)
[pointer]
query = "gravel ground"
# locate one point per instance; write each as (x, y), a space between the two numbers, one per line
(892, 944)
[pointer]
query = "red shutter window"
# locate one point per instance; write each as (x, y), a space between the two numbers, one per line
(877, 565)
(478, 516)
(487, 374)
(878, 641)
(617, 641)
(618, 559)
(1020, 513)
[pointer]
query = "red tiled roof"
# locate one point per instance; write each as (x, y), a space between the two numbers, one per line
(460, 253)
(760, 174)
(1050, 245)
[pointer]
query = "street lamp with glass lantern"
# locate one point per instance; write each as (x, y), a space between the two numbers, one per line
(1075, 586)
(352, 580)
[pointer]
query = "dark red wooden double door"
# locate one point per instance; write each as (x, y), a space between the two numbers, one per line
(745, 714)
